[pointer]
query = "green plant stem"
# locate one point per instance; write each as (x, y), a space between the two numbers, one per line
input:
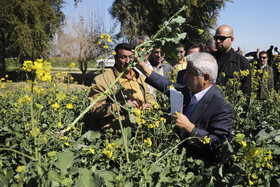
(32, 119)
(171, 150)
(123, 134)
(34, 129)
(13, 150)
(135, 137)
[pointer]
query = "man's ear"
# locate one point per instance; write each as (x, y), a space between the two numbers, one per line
(207, 77)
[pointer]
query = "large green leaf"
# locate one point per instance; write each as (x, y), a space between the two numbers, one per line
(64, 161)
(153, 169)
(86, 179)
(127, 133)
(179, 20)
(3, 180)
(54, 175)
(92, 135)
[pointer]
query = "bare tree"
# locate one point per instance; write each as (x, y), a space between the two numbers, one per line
(78, 41)
(80, 36)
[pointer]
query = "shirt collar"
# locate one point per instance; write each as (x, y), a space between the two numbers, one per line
(197, 97)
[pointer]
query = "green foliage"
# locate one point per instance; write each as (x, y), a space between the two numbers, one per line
(27, 27)
(43, 142)
(138, 18)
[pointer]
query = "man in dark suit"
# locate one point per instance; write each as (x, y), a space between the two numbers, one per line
(205, 114)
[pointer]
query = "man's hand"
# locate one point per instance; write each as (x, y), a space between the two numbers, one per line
(142, 66)
(145, 106)
(133, 103)
(183, 122)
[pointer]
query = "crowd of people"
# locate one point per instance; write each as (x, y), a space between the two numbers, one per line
(199, 70)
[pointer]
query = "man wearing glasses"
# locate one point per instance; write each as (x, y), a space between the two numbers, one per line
(265, 72)
(229, 61)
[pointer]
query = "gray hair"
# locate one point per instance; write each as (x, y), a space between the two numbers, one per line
(142, 37)
(204, 63)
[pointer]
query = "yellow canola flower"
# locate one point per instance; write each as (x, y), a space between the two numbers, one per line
(109, 154)
(91, 150)
(236, 73)
(251, 183)
(45, 140)
(155, 105)
(269, 157)
(137, 112)
(20, 169)
(177, 113)
(40, 91)
(55, 106)
(254, 176)
(254, 152)
(200, 31)
(27, 66)
(3, 85)
(67, 144)
(163, 120)
(69, 106)
(205, 140)
(72, 65)
(148, 141)
(34, 133)
(268, 166)
(244, 73)
(244, 143)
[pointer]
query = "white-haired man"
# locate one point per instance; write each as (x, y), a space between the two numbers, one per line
(205, 112)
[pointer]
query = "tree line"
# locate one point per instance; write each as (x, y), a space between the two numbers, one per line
(29, 27)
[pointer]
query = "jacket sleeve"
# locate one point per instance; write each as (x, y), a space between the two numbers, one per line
(161, 83)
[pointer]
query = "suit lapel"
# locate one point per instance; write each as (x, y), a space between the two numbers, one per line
(202, 105)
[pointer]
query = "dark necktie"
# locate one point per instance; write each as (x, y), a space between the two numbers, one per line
(188, 111)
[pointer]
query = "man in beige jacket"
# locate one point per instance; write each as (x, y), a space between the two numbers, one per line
(131, 89)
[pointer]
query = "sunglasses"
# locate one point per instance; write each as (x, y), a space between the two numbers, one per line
(221, 38)
(263, 57)
(181, 51)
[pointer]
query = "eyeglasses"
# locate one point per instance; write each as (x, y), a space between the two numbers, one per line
(221, 38)
(263, 57)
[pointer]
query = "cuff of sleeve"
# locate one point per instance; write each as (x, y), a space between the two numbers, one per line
(197, 132)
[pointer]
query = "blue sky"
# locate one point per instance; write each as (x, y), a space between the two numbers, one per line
(255, 22)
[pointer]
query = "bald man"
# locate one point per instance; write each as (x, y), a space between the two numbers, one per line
(230, 61)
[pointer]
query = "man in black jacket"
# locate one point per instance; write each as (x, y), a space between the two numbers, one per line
(230, 61)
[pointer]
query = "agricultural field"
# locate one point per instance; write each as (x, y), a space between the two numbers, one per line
(46, 140)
